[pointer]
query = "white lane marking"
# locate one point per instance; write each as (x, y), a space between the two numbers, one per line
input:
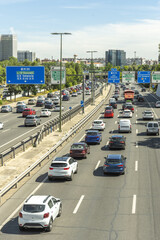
(19, 207)
(136, 115)
(136, 166)
(112, 130)
(81, 138)
(107, 143)
(136, 145)
(97, 165)
(115, 122)
(6, 130)
(136, 131)
(78, 204)
(18, 137)
(134, 204)
(118, 116)
(136, 110)
(136, 121)
(152, 109)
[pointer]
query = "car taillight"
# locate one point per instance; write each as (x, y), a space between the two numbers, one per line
(121, 141)
(51, 168)
(110, 142)
(97, 137)
(71, 151)
(46, 215)
(118, 126)
(106, 165)
(120, 165)
(130, 126)
(20, 215)
(102, 124)
(83, 151)
(67, 168)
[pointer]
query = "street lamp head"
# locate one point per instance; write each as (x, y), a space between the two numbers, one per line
(91, 51)
(56, 33)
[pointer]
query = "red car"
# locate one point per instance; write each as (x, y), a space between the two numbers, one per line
(79, 150)
(108, 114)
(28, 111)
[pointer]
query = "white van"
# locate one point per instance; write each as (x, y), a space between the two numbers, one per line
(124, 126)
(112, 100)
(152, 128)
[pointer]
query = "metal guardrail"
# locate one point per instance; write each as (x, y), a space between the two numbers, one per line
(53, 149)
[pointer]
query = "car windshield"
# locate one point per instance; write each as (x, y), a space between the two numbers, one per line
(4, 106)
(30, 117)
(116, 139)
(148, 112)
(59, 164)
(34, 208)
(77, 146)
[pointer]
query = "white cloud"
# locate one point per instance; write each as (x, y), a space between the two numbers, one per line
(142, 37)
(12, 31)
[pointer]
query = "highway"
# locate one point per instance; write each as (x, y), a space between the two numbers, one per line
(97, 206)
(14, 130)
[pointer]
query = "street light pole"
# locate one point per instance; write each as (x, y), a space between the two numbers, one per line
(92, 92)
(60, 87)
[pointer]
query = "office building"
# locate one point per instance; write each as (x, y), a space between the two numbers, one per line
(8, 46)
(115, 57)
(22, 55)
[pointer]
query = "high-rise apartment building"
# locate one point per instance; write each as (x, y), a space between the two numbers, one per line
(115, 57)
(22, 55)
(8, 46)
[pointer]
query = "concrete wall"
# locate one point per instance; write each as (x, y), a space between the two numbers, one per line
(158, 90)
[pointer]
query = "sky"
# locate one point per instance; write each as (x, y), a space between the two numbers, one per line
(99, 25)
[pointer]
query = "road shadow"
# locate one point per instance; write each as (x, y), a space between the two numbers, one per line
(151, 142)
(99, 173)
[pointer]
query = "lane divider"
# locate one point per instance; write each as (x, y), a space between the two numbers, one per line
(136, 166)
(97, 165)
(134, 204)
(78, 204)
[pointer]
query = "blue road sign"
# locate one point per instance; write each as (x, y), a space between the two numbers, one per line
(70, 108)
(82, 105)
(113, 76)
(143, 77)
(82, 102)
(25, 75)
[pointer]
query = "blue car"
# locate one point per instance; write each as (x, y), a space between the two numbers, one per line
(114, 163)
(93, 136)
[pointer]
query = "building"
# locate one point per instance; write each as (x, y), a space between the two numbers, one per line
(115, 57)
(8, 46)
(22, 55)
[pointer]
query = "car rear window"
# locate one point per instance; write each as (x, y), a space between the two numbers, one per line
(97, 122)
(34, 208)
(92, 133)
(76, 146)
(113, 161)
(58, 164)
(108, 111)
(30, 117)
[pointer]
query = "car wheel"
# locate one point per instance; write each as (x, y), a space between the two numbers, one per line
(21, 228)
(36, 125)
(49, 178)
(49, 228)
(71, 177)
(123, 173)
(158, 133)
(60, 211)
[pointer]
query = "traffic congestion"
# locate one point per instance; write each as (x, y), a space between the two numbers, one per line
(90, 182)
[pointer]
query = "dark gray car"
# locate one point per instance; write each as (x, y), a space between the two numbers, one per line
(32, 120)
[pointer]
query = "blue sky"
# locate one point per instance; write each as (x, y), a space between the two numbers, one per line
(95, 25)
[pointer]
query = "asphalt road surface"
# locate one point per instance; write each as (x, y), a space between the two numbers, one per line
(97, 206)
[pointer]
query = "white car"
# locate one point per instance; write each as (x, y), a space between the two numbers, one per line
(20, 103)
(98, 125)
(157, 105)
(1, 125)
(63, 167)
(79, 92)
(127, 113)
(88, 92)
(39, 211)
(148, 114)
(57, 108)
(45, 113)
(74, 94)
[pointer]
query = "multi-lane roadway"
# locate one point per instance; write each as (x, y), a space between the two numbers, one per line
(98, 206)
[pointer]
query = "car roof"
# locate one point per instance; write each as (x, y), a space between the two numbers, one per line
(61, 159)
(115, 156)
(79, 143)
(92, 131)
(36, 199)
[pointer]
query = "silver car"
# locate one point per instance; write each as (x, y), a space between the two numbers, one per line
(32, 120)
